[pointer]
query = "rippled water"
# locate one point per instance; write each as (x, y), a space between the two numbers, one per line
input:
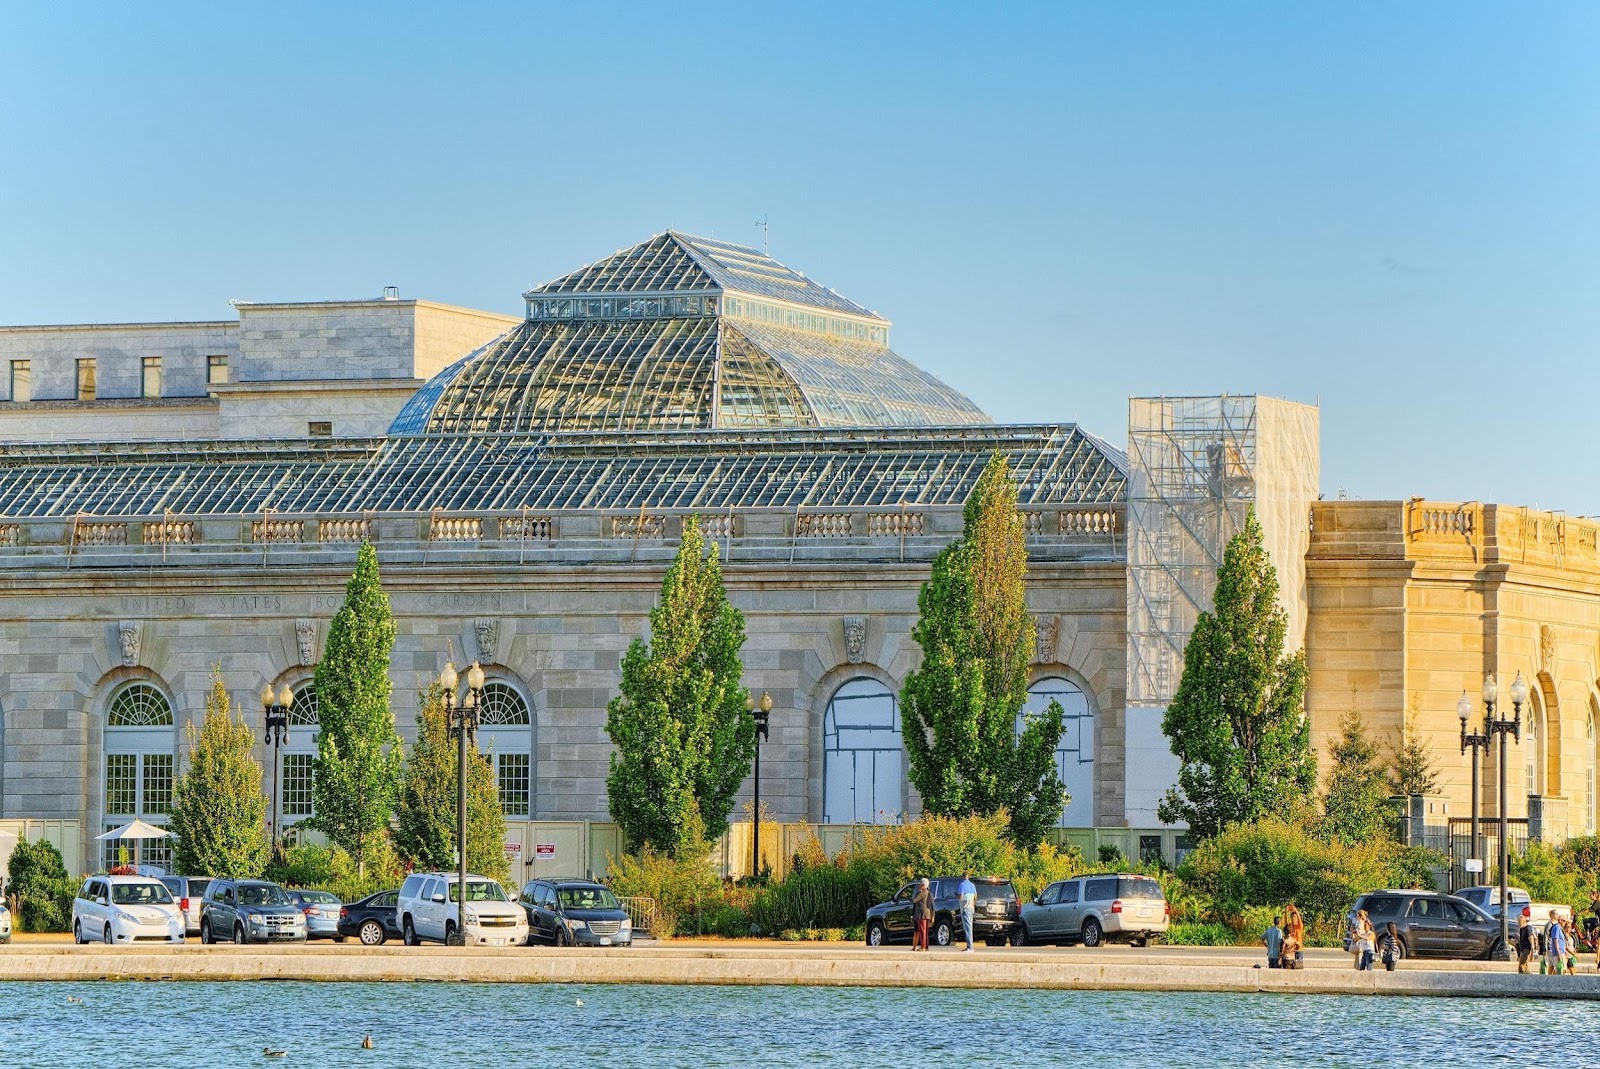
(194, 1026)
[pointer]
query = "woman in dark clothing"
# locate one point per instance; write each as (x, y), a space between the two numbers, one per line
(1389, 947)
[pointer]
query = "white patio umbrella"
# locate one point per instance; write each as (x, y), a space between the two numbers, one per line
(136, 830)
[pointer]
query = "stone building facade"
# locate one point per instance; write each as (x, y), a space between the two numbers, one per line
(525, 482)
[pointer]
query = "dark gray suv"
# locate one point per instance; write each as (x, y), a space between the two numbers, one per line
(250, 911)
(1430, 925)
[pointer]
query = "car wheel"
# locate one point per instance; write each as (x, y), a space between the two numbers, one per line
(410, 934)
(1400, 949)
(943, 933)
(1493, 953)
(205, 933)
(1020, 937)
(1092, 936)
(238, 934)
(563, 937)
(874, 934)
(452, 938)
(108, 937)
(77, 932)
(372, 934)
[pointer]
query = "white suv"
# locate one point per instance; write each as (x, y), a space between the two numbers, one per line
(126, 909)
(429, 905)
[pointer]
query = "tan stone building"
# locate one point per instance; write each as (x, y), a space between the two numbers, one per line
(178, 496)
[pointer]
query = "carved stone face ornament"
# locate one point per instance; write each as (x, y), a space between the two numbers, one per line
(305, 633)
(855, 638)
(1047, 629)
(128, 641)
(485, 630)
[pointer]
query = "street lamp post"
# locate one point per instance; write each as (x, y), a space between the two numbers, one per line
(1479, 743)
(463, 723)
(762, 715)
(276, 709)
(1498, 725)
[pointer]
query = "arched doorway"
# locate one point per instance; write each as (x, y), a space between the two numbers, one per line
(1075, 752)
(863, 755)
(505, 738)
(138, 768)
(295, 801)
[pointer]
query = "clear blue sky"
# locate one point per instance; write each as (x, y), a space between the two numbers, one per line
(1391, 209)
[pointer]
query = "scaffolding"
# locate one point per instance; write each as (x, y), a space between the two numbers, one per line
(1196, 465)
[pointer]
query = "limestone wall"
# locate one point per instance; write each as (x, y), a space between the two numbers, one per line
(118, 350)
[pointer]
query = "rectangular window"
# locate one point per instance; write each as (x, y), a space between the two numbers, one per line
(320, 429)
(21, 380)
(216, 370)
(1149, 849)
(515, 783)
(86, 379)
(122, 784)
(150, 384)
(297, 784)
(157, 777)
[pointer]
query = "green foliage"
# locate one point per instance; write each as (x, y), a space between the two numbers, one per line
(356, 776)
(1237, 722)
(960, 706)
(1274, 862)
(1548, 876)
(219, 811)
(1110, 854)
(331, 868)
(1200, 935)
(684, 739)
(425, 817)
(684, 888)
(1356, 804)
(1411, 765)
(835, 894)
(948, 846)
(37, 876)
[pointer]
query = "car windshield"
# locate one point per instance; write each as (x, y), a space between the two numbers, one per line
(480, 891)
(260, 895)
(1140, 887)
(319, 898)
(140, 894)
(588, 898)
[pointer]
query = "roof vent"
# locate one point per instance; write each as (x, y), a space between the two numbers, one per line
(391, 293)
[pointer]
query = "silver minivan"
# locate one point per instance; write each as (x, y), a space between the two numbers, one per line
(1094, 909)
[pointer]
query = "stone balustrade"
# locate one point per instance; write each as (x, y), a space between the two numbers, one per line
(455, 529)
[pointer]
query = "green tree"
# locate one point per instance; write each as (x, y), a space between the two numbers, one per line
(425, 817)
(219, 812)
(1356, 806)
(1411, 766)
(684, 740)
(961, 706)
(36, 878)
(1237, 722)
(356, 776)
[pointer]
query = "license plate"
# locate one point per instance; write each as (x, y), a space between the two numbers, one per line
(497, 942)
(605, 940)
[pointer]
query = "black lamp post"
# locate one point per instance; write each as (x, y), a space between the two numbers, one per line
(1479, 743)
(762, 714)
(463, 722)
(277, 715)
(1492, 726)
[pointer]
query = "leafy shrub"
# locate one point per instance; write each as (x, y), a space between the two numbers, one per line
(948, 846)
(728, 921)
(331, 868)
(1548, 876)
(37, 876)
(833, 894)
(1199, 935)
(682, 888)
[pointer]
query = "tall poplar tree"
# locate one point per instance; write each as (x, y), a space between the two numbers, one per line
(960, 708)
(684, 740)
(356, 776)
(425, 817)
(1411, 765)
(219, 811)
(1238, 723)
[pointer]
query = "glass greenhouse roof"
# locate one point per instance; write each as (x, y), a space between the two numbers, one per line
(705, 470)
(685, 333)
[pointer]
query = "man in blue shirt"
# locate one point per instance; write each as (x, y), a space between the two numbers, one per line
(968, 895)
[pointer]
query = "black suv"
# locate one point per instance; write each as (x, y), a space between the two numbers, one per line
(1430, 925)
(994, 920)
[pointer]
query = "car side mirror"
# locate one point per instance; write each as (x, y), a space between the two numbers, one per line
(438, 898)
(100, 900)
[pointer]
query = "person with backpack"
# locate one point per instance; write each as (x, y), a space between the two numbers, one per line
(1527, 940)
(1555, 947)
(1389, 947)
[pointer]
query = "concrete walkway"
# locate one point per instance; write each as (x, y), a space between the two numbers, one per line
(828, 965)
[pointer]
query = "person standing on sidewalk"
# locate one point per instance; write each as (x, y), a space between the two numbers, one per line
(1296, 925)
(968, 895)
(1390, 945)
(1526, 940)
(1362, 940)
(1273, 937)
(921, 915)
(1555, 946)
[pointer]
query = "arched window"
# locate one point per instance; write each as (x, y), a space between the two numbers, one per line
(299, 756)
(1589, 771)
(1075, 752)
(1533, 742)
(505, 738)
(138, 771)
(863, 756)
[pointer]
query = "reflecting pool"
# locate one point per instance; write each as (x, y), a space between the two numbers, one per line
(441, 1025)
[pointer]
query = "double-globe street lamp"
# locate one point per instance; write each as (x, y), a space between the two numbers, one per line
(276, 708)
(762, 714)
(463, 719)
(1479, 742)
(1502, 726)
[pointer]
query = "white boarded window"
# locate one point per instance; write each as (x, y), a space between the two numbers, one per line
(863, 759)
